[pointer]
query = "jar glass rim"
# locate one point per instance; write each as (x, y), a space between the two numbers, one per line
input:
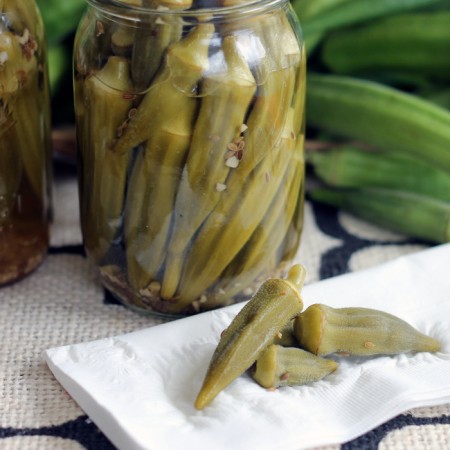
(119, 8)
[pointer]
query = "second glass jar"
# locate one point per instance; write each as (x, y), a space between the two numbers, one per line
(190, 122)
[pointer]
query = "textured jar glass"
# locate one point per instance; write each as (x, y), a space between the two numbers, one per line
(190, 124)
(24, 140)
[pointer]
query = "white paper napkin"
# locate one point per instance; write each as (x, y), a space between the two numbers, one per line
(140, 388)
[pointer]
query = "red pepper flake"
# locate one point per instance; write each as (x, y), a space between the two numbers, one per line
(240, 155)
(241, 145)
(22, 76)
(128, 96)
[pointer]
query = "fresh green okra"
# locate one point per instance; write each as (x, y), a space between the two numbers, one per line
(404, 212)
(352, 12)
(280, 366)
(323, 330)
(380, 116)
(404, 44)
(216, 145)
(104, 172)
(351, 167)
(255, 326)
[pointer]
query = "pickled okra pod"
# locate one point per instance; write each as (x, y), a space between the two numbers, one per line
(282, 214)
(323, 330)
(169, 113)
(261, 250)
(216, 244)
(251, 331)
(105, 172)
(217, 130)
(185, 63)
(146, 232)
(21, 99)
(280, 366)
(153, 37)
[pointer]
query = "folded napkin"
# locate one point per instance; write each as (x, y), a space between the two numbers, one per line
(140, 388)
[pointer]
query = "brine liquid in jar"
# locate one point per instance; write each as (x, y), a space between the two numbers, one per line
(190, 123)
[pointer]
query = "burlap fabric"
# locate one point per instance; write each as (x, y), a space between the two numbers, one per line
(63, 303)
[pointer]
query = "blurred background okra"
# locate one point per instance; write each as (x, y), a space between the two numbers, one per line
(378, 109)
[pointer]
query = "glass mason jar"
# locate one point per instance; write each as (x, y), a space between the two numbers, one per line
(190, 123)
(25, 151)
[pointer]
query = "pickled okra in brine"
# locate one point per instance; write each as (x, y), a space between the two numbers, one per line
(191, 149)
(25, 139)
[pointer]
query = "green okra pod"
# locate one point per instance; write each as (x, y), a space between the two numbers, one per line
(151, 195)
(280, 366)
(285, 337)
(381, 116)
(351, 167)
(185, 63)
(153, 37)
(168, 132)
(323, 330)
(225, 232)
(440, 96)
(217, 130)
(417, 43)
(403, 212)
(255, 326)
(260, 254)
(351, 12)
(106, 112)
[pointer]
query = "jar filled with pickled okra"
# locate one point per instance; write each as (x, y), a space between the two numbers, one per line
(25, 140)
(190, 125)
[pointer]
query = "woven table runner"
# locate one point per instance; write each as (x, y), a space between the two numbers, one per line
(63, 303)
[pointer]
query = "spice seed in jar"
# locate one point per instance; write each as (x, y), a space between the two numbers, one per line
(220, 187)
(232, 162)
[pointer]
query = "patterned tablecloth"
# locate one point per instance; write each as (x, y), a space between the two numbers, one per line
(63, 303)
